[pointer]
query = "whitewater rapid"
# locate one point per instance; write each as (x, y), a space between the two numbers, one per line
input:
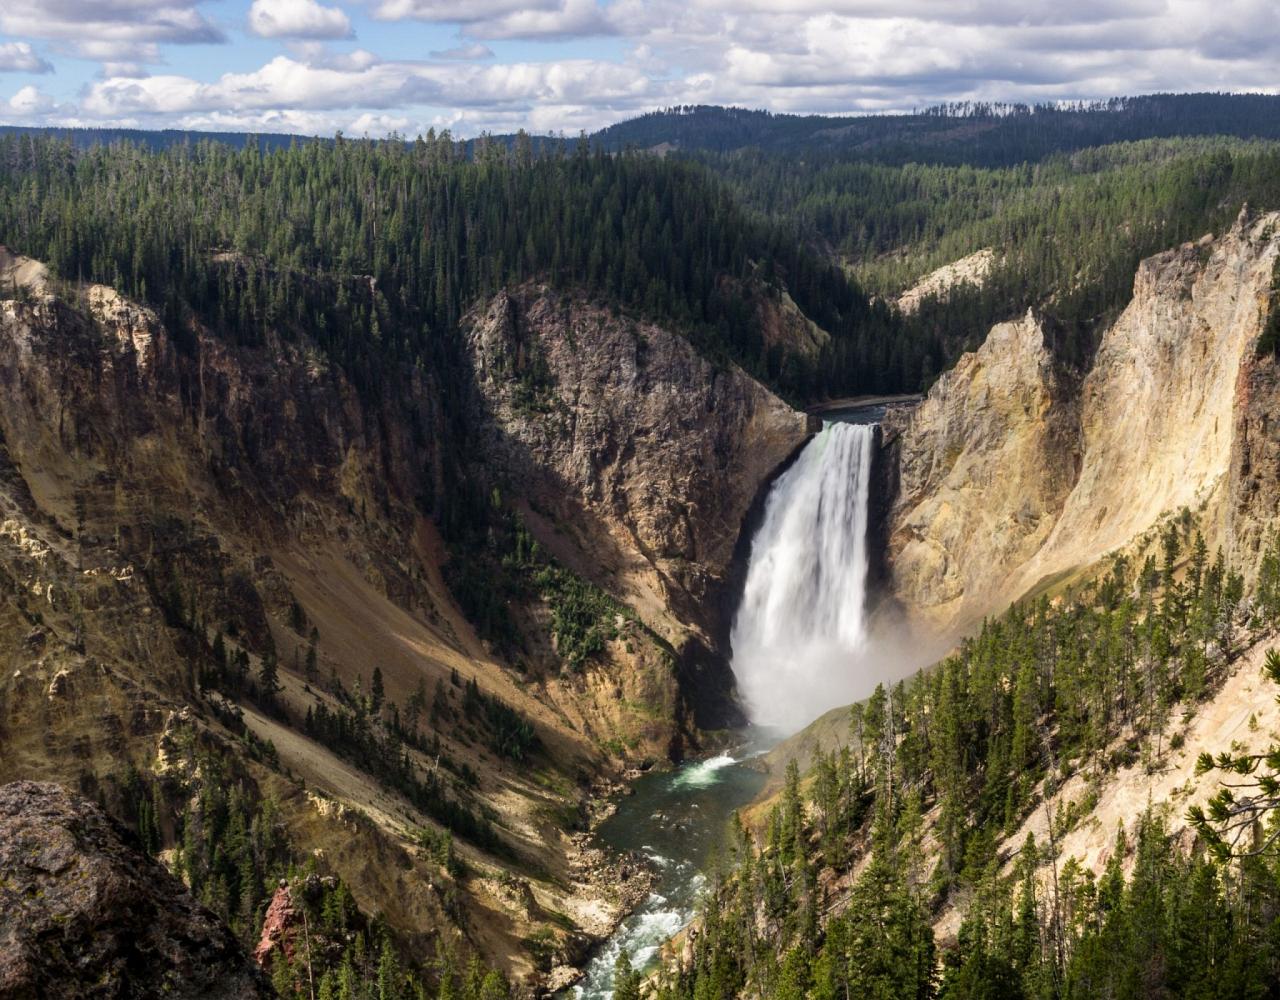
(677, 821)
(802, 620)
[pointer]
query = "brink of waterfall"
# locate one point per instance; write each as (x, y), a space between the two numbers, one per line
(802, 622)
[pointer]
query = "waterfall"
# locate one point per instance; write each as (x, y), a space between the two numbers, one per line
(802, 620)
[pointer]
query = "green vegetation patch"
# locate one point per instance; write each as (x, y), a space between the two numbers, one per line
(505, 565)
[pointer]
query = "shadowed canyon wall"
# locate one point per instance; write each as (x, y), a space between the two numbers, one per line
(159, 487)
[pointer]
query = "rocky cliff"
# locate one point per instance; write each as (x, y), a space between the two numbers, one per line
(636, 461)
(84, 913)
(1017, 473)
(184, 520)
(985, 464)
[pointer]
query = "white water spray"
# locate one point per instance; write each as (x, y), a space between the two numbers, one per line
(802, 621)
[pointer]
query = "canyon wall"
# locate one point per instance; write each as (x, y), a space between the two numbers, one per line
(635, 460)
(1017, 473)
(161, 486)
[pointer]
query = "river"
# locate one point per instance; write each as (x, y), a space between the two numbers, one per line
(677, 820)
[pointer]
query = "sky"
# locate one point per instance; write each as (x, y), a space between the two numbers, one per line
(380, 66)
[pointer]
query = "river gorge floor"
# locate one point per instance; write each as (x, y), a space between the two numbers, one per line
(676, 820)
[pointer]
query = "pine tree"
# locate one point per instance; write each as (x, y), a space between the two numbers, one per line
(626, 981)
(269, 677)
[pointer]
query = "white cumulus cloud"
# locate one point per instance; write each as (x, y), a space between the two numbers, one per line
(30, 102)
(568, 19)
(111, 30)
(298, 19)
(286, 83)
(824, 56)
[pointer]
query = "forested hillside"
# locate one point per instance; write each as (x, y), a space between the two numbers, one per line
(377, 249)
(838, 894)
(1069, 197)
(1068, 230)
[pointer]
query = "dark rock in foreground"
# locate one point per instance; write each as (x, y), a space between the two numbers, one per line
(84, 914)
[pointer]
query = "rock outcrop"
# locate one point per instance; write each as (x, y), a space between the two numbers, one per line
(1015, 474)
(278, 927)
(971, 270)
(638, 458)
(785, 328)
(85, 914)
(985, 464)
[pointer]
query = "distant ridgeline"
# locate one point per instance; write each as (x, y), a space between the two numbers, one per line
(973, 133)
(978, 134)
(162, 139)
(1072, 196)
(86, 138)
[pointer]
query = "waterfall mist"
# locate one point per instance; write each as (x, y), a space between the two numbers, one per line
(800, 635)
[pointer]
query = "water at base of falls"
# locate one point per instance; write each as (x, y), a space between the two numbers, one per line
(802, 620)
(677, 820)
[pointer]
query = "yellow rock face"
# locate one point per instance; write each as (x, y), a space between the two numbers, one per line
(1016, 474)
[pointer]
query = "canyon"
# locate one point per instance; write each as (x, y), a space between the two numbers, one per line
(159, 485)
(171, 502)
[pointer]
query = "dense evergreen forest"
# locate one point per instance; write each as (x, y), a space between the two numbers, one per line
(376, 249)
(1069, 231)
(1070, 197)
(1046, 691)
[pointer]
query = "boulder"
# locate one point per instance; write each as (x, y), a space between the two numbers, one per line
(85, 914)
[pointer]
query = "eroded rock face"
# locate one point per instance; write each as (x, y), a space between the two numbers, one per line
(1252, 509)
(97, 384)
(84, 914)
(986, 462)
(1156, 413)
(641, 455)
(1012, 476)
